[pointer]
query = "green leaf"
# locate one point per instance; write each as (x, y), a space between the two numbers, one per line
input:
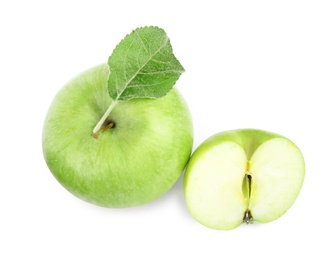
(143, 65)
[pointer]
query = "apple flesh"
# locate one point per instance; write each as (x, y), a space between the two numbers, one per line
(135, 161)
(243, 176)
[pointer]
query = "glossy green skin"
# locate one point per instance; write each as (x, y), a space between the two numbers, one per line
(131, 164)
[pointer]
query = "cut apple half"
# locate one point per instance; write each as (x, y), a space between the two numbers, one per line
(243, 176)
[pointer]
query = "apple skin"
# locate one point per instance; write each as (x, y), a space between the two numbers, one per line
(264, 206)
(131, 164)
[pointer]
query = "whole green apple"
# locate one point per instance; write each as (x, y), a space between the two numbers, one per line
(141, 152)
(243, 176)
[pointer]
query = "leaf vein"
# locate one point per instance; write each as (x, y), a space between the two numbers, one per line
(144, 64)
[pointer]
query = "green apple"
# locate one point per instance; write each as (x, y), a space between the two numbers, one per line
(135, 161)
(243, 175)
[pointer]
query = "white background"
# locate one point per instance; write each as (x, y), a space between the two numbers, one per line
(249, 64)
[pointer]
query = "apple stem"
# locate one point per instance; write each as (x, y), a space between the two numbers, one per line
(248, 219)
(109, 126)
(103, 119)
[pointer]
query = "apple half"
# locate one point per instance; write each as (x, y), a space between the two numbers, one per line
(243, 176)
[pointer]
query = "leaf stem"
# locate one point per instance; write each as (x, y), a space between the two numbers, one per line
(103, 118)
